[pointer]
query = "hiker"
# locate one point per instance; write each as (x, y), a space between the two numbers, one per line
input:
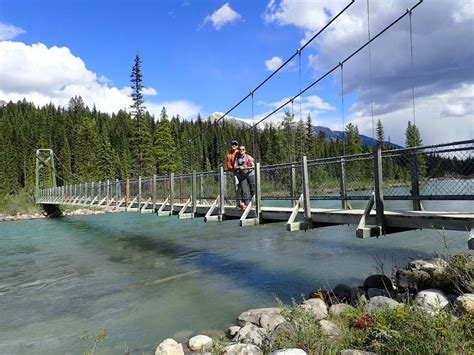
(230, 161)
(244, 168)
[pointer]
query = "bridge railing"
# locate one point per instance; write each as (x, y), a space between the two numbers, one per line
(437, 172)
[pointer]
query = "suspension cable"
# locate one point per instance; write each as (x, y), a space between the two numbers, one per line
(370, 71)
(301, 99)
(254, 129)
(412, 68)
(287, 61)
(338, 65)
(342, 111)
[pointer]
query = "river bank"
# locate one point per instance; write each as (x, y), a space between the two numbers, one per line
(426, 307)
(30, 216)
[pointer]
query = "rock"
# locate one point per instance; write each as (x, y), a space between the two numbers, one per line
(321, 294)
(270, 322)
(358, 296)
(378, 281)
(317, 307)
(243, 349)
(415, 279)
(431, 300)
(373, 292)
(338, 309)
(292, 351)
(253, 315)
(250, 334)
(434, 265)
(380, 302)
(329, 328)
(464, 304)
(200, 343)
(403, 297)
(356, 352)
(169, 347)
(233, 330)
(342, 292)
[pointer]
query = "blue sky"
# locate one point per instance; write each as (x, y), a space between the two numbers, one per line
(204, 56)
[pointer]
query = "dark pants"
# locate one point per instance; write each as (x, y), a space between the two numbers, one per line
(246, 186)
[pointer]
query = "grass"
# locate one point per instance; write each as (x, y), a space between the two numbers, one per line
(22, 203)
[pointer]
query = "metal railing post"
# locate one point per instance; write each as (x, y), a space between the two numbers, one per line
(293, 185)
(153, 187)
(415, 183)
(172, 192)
(379, 204)
(258, 192)
(194, 192)
(222, 193)
(127, 192)
(139, 193)
(345, 205)
(306, 194)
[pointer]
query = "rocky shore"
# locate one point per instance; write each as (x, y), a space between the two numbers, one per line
(28, 216)
(435, 292)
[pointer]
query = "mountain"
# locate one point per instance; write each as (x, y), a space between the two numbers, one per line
(237, 122)
(365, 140)
(330, 134)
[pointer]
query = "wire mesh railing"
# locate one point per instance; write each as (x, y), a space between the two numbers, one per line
(438, 172)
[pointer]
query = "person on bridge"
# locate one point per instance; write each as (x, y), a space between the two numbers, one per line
(230, 161)
(244, 168)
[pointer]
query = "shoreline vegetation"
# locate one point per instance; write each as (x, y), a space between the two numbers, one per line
(427, 307)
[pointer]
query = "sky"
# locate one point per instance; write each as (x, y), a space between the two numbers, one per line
(204, 56)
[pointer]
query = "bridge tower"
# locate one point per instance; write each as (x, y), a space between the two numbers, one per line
(45, 170)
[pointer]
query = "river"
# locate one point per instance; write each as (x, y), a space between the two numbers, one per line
(146, 278)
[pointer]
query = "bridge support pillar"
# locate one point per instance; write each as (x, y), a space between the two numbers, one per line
(470, 242)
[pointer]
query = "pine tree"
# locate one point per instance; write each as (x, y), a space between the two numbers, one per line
(141, 140)
(352, 136)
(412, 136)
(165, 147)
(380, 134)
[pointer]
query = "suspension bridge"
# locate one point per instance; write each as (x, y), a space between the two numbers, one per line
(389, 187)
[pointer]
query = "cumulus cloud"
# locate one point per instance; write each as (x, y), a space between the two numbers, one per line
(43, 75)
(185, 109)
(312, 105)
(8, 31)
(442, 52)
(274, 63)
(222, 16)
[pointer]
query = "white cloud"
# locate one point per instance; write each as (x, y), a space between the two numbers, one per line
(45, 75)
(185, 109)
(274, 63)
(224, 15)
(8, 31)
(442, 50)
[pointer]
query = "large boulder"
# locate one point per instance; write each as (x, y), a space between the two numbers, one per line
(358, 296)
(413, 279)
(431, 300)
(431, 266)
(329, 328)
(253, 315)
(378, 281)
(169, 347)
(373, 292)
(200, 343)
(242, 349)
(270, 321)
(338, 309)
(464, 304)
(250, 334)
(233, 330)
(316, 306)
(380, 302)
(292, 351)
(342, 292)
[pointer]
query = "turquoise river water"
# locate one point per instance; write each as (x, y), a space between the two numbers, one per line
(146, 278)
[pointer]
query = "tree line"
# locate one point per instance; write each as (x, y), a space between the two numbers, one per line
(91, 145)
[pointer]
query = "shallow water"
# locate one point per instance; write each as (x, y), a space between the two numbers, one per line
(145, 278)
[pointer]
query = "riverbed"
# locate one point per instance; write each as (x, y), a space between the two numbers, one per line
(145, 278)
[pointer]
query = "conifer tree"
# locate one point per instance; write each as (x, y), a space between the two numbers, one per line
(380, 134)
(165, 147)
(141, 140)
